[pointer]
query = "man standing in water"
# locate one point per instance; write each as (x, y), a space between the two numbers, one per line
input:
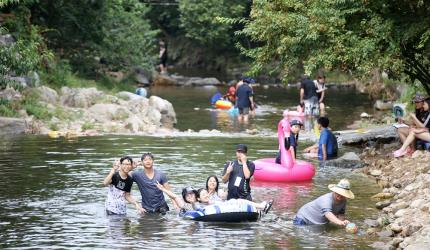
(147, 179)
(327, 208)
(238, 175)
(308, 96)
(244, 99)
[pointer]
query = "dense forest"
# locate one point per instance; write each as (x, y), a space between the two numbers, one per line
(285, 38)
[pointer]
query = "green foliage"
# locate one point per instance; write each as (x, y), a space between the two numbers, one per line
(84, 31)
(33, 107)
(87, 126)
(198, 18)
(356, 36)
(23, 56)
(7, 109)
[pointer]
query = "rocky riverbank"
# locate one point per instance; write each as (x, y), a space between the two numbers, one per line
(84, 111)
(404, 220)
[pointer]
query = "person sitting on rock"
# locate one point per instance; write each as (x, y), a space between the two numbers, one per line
(327, 208)
(327, 146)
(420, 132)
(416, 119)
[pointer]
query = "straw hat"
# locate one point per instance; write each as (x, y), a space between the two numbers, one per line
(342, 188)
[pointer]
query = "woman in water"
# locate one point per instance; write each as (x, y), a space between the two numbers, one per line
(120, 183)
(212, 185)
(203, 198)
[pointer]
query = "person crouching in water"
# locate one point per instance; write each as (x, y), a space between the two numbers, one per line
(292, 140)
(327, 208)
(120, 183)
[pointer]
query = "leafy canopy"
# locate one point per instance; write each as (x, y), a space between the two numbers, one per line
(351, 35)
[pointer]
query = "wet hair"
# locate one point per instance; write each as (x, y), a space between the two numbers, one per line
(147, 154)
(126, 158)
(323, 121)
(217, 182)
(187, 190)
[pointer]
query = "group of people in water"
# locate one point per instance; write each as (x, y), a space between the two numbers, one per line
(242, 96)
(153, 184)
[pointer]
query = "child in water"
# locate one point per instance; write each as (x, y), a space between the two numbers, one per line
(291, 140)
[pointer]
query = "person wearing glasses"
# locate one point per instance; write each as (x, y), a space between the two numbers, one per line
(119, 183)
(147, 179)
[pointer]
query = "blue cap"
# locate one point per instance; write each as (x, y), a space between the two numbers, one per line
(248, 80)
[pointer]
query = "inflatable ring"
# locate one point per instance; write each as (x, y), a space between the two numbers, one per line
(289, 170)
(224, 213)
(221, 104)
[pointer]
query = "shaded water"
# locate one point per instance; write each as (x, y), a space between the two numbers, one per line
(193, 109)
(51, 193)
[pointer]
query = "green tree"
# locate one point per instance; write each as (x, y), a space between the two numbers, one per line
(198, 18)
(82, 30)
(350, 35)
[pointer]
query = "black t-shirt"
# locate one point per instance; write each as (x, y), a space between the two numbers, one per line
(122, 184)
(425, 117)
(238, 186)
(309, 87)
(243, 93)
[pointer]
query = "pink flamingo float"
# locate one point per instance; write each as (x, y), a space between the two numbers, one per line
(289, 170)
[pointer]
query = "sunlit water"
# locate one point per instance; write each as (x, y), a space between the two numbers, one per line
(51, 193)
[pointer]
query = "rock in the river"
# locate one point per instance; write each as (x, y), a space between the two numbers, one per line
(197, 81)
(382, 204)
(164, 80)
(348, 160)
(10, 126)
(381, 196)
(375, 172)
(383, 105)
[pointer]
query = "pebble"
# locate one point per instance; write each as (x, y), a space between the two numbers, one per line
(375, 172)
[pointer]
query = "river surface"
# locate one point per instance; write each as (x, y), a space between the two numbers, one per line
(51, 193)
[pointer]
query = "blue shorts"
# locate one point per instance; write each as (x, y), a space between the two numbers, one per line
(299, 221)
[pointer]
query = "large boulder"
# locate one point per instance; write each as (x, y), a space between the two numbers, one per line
(164, 80)
(128, 95)
(80, 97)
(383, 105)
(168, 116)
(348, 160)
(9, 126)
(197, 81)
(10, 94)
(108, 112)
(47, 95)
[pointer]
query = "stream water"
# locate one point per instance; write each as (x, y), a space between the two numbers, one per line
(51, 193)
